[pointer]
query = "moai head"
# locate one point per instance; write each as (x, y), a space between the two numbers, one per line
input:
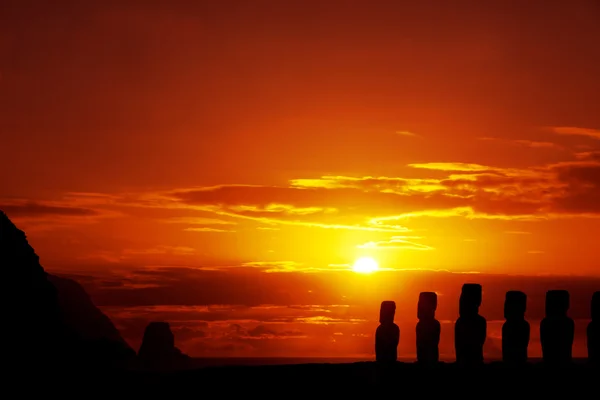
(596, 306)
(470, 299)
(557, 303)
(427, 305)
(387, 312)
(515, 304)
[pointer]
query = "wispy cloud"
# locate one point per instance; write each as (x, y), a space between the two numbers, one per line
(449, 166)
(395, 243)
(523, 143)
(276, 266)
(537, 144)
(176, 250)
(565, 189)
(207, 229)
(197, 221)
(575, 131)
(406, 133)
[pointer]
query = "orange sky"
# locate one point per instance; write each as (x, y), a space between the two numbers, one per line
(297, 136)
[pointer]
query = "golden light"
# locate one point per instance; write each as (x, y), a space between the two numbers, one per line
(365, 265)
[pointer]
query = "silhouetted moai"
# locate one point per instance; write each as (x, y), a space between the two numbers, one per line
(428, 329)
(593, 331)
(515, 331)
(557, 329)
(387, 335)
(470, 330)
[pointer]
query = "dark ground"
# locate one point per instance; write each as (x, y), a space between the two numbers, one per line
(492, 380)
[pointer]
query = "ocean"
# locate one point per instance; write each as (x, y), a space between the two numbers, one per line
(249, 361)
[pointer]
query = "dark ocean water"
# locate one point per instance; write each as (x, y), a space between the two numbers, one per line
(229, 361)
(249, 361)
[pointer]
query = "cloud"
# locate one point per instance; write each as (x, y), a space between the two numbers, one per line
(537, 145)
(288, 209)
(175, 250)
(262, 332)
(517, 233)
(568, 189)
(250, 287)
(406, 133)
(277, 265)
(524, 143)
(285, 266)
(396, 243)
(38, 216)
(588, 155)
(455, 167)
(206, 229)
(197, 221)
(32, 209)
(383, 184)
(304, 312)
(574, 131)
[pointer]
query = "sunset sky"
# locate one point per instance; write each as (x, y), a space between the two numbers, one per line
(222, 164)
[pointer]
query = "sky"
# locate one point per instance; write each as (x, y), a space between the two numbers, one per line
(221, 165)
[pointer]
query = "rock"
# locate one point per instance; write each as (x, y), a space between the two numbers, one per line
(158, 350)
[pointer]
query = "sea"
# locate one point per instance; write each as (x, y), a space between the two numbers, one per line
(255, 361)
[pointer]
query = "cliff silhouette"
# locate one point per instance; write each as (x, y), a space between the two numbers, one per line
(53, 321)
(95, 332)
(31, 307)
(55, 324)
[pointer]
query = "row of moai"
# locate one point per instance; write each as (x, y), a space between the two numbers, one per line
(470, 330)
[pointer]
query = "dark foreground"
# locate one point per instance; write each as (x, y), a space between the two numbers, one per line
(488, 380)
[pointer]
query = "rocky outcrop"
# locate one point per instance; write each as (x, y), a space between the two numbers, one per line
(158, 349)
(97, 332)
(50, 322)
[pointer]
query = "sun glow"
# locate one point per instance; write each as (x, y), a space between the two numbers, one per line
(365, 265)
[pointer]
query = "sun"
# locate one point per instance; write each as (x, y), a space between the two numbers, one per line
(365, 265)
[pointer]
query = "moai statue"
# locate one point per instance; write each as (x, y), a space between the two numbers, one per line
(557, 330)
(593, 331)
(515, 331)
(387, 335)
(470, 330)
(428, 329)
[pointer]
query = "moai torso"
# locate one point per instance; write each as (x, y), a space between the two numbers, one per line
(470, 330)
(593, 339)
(593, 331)
(557, 330)
(387, 335)
(428, 329)
(516, 330)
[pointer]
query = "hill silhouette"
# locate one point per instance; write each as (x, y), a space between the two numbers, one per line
(80, 313)
(54, 322)
(93, 329)
(31, 307)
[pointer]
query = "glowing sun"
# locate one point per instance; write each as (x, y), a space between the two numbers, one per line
(365, 265)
